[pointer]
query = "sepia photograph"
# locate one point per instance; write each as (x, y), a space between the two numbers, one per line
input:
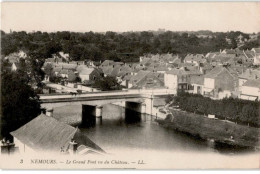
(130, 85)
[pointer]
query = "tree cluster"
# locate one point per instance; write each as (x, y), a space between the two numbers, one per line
(19, 102)
(125, 47)
(107, 83)
(237, 110)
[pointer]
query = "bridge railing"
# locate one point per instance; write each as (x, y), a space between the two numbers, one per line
(96, 92)
(142, 92)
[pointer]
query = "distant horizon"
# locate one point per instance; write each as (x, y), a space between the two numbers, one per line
(130, 16)
(182, 31)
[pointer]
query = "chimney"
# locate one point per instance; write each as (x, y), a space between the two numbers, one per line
(73, 146)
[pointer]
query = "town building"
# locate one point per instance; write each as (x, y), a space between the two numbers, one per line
(249, 74)
(89, 74)
(219, 83)
(196, 85)
(176, 79)
(250, 90)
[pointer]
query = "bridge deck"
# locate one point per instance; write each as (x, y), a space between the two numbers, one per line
(106, 95)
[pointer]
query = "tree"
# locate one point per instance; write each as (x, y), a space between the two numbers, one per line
(20, 103)
(107, 83)
(48, 69)
(55, 79)
(35, 71)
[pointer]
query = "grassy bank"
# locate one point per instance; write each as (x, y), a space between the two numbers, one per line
(219, 130)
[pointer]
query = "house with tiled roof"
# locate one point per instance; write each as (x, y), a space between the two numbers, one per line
(136, 78)
(107, 70)
(249, 56)
(123, 71)
(79, 68)
(147, 80)
(176, 79)
(224, 59)
(116, 69)
(197, 83)
(249, 74)
(150, 81)
(195, 59)
(136, 68)
(243, 60)
(235, 69)
(219, 83)
(44, 134)
(250, 90)
(89, 74)
(205, 68)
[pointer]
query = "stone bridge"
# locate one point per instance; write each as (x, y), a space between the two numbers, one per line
(137, 100)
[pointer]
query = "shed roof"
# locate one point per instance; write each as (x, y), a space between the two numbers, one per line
(48, 134)
(252, 83)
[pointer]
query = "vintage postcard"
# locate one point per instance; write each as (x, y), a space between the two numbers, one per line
(130, 85)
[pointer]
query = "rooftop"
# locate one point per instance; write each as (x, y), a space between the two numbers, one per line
(215, 72)
(48, 134)
(252, 83)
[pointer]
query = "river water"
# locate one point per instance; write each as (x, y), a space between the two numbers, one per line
(126, 129)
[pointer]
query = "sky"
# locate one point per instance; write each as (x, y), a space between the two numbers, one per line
(126, 16)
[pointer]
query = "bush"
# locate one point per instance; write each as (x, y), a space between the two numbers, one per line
(237, 110)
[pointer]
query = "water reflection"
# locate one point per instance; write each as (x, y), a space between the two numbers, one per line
(123, 128)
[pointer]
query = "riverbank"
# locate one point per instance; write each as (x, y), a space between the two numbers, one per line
(218, 130)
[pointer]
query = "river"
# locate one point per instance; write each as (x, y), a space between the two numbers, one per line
(126, 129)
